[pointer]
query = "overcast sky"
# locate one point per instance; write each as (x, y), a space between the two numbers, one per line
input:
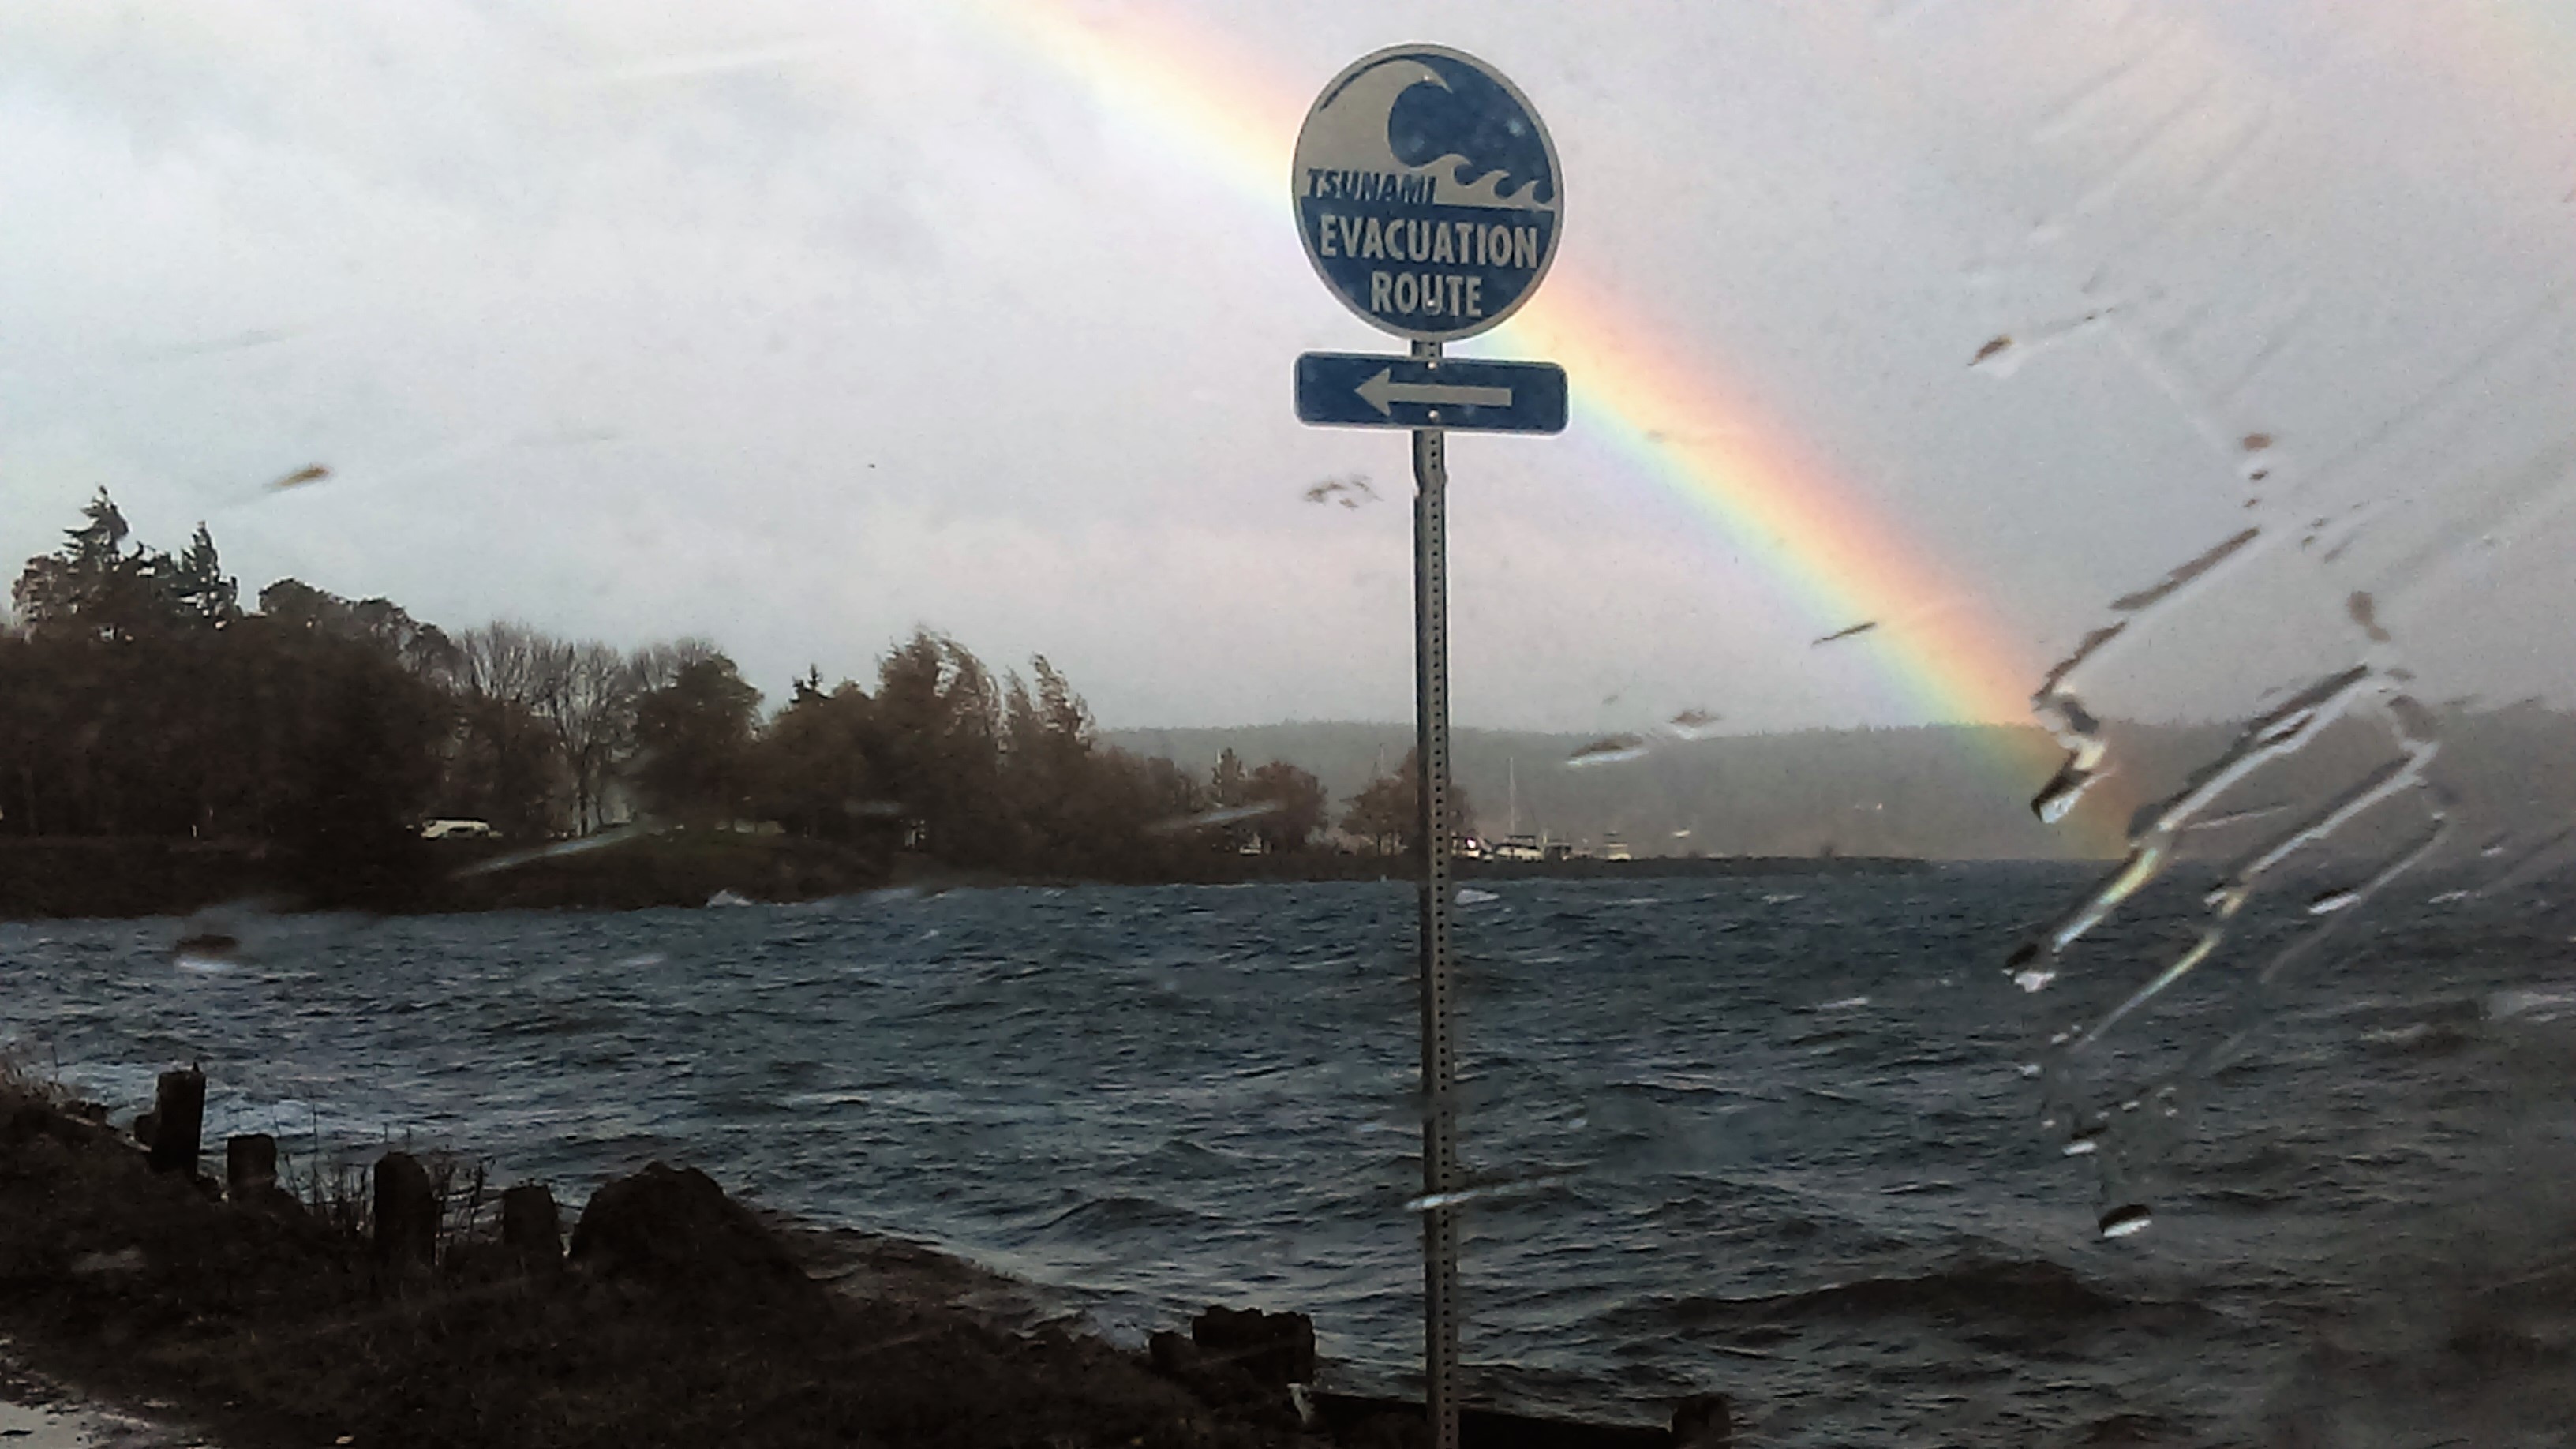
(796, 325)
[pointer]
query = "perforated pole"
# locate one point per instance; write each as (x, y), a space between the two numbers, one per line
(1439, 1060)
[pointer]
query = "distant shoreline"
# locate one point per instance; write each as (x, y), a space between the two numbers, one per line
(57, 878)
(1594, 868)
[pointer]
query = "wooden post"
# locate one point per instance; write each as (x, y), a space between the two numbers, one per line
(250, 1166)
(406, 1212)
(178, 1119)
(531, 1228)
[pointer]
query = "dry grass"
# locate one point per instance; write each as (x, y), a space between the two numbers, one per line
(338, 1197)
(20, 1079)
(466, 1208)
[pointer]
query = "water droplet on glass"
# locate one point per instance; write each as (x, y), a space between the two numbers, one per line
(1222, 815)
(208, 953)
(604, 840)
(2332, 901)
(2129, 1218)
(1692, 724)
(2062, 794)
(1608, 750)
(1350, 491)
(2033, 980)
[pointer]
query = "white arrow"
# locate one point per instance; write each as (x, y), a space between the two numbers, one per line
(1383, 389)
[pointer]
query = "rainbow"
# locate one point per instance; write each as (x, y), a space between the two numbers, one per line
(1665, 411)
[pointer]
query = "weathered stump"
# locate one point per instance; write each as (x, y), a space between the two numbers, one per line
(531, 1226)
(178, 1120)
(406, 1212)
(250, 1166)
(250, 1177)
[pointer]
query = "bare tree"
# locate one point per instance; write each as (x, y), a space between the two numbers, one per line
(511, 677)
(592, 711)
(658, 666)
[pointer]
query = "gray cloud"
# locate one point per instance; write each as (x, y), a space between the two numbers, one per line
(800, 324)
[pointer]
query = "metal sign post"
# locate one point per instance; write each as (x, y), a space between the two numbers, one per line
(1432, 826)
(1427, 197)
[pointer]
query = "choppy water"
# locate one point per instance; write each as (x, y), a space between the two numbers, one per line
(1770, 1135)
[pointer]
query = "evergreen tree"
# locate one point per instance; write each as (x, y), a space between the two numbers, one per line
(813, 775)
(938, 745)
(693, 739)
(1227, 781)
(196, 586)
(93, 587)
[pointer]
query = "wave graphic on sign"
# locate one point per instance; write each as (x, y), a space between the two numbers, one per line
(1463, 114)
(1664, 410)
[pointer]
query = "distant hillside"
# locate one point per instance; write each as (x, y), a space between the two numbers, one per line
(1948, 792)
(1944, 792)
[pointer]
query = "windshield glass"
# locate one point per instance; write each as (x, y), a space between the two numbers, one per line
(755, 586)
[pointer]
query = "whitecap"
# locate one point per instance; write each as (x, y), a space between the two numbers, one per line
(2538, 1005)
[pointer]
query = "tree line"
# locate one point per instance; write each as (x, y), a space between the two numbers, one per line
(139, 696)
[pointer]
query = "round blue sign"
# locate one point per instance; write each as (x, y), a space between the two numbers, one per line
(1427, 192)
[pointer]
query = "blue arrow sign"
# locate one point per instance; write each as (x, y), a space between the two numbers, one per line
(1355, 390)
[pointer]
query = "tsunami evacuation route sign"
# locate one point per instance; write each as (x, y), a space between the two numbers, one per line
(1427, 195)
(1428, 199)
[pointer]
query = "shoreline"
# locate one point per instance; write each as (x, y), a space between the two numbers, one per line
(129, 878)
(157, 1308)
(161, 1304)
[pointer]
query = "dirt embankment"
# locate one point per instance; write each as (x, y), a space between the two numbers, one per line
(678, 1318)
(50, 877)
(63, 877)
